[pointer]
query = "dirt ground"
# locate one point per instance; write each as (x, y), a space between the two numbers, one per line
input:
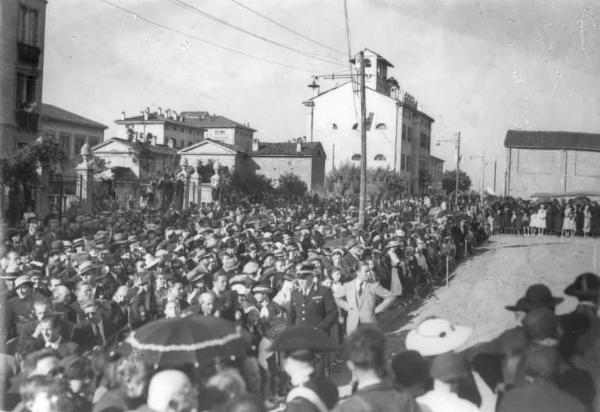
(496, 275)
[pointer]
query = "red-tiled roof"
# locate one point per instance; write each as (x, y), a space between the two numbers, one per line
(288, 149)
(51, 112)
(552, 140)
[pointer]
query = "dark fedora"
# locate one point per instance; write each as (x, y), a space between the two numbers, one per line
(536, 296)
(585, 286)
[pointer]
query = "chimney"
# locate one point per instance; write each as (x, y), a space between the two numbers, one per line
(160, 113)
(255, 144)
(299, 145)
(175, 116)
(122, 115)
(145, 114)
(168, 111)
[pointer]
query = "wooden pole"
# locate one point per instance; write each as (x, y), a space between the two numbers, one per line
(447, 271)
(363, 142)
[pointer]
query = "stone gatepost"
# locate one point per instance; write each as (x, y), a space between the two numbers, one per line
(85, 180)
(194, 182)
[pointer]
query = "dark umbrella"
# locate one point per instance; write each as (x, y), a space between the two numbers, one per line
(188, 340)
(303, 337)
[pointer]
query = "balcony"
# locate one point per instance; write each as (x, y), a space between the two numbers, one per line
(28, 54)
(27, 121)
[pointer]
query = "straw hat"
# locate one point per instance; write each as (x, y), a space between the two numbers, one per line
(436, 336)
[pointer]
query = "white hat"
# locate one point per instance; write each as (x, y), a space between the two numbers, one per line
(436, 336)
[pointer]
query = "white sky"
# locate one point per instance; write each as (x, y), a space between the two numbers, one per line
(480, 67)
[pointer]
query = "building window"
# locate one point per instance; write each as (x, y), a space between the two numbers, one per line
(380, 158)
(334, 126)
(65, 140)
(219, 131)
(79, 142)
(408, 163)
(356, 157)
(93, 141)
(402, 164)
(25, 91)
(28, 26)
(381, 126)
(355, 127)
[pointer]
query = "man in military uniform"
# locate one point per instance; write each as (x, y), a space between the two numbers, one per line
(312, 305)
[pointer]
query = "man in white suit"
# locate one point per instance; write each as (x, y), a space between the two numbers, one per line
(359, 298)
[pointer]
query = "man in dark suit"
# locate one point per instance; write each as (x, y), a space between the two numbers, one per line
(50, 331)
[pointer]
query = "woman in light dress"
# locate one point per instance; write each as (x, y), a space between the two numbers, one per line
(541, 219)
(569, 222)
(534, 223)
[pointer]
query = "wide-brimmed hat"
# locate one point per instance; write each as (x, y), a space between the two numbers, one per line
(85, 267)
(119, 239)
(586, 285)
(23, 280)
(536, 296)
(11, 232)
(435, 336)
(393, 243)
(262, 287)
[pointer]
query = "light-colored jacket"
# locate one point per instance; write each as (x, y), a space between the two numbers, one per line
(360, 310)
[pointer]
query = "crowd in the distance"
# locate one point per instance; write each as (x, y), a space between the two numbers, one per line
(75, 286)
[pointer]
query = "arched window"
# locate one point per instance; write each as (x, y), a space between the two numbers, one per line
(356, 157)
(381, 126)
(334, 126)
(355, 127)
(380, 157)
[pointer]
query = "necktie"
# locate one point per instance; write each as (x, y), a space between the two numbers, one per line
(361, 286)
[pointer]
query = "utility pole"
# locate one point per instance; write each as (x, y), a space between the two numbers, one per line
(363, 141)
(457, 169)
(495, 161)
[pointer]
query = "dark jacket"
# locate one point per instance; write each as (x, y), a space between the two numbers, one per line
(316, 310)
(542, 395)
(381, 397)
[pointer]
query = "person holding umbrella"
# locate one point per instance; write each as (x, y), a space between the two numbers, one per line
(310, 392)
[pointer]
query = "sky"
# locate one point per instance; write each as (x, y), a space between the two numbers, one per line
(478, 67)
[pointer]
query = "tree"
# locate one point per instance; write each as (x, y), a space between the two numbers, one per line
(254, 187)
(381, 183)
(449, 181)
(344, 181)
(21, 165)
(291, 186)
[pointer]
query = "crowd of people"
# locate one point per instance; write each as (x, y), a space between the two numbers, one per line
(74, 288)
(572, 217)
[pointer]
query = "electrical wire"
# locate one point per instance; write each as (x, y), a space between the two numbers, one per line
(352, 80)
(287, 28)
(191, 36)
(196, 10)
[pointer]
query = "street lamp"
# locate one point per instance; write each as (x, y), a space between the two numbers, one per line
(456, 142)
